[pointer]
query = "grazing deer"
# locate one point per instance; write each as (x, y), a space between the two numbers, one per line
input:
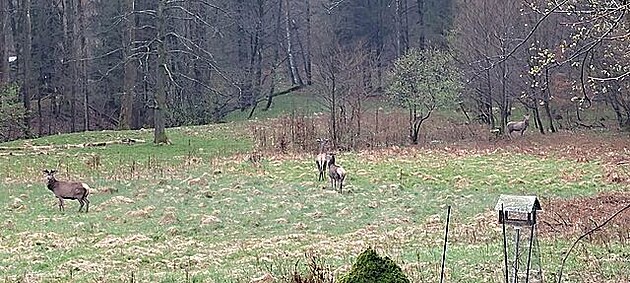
(335, 172)
(518, 126)
(320, 159)
(68, 190)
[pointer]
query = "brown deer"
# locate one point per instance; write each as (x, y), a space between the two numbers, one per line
(320, 159)
(518, 126)
(336, 173)
(68, 190)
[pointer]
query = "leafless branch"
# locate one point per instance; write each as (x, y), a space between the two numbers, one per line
(566, 256)
(333, 5)
(521, 43)
(617, 78)
(170, 76)
(201, 84)
(195, 16)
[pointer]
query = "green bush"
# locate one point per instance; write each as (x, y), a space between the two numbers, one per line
(371, 268)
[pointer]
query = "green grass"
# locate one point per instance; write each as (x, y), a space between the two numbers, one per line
(199, 208)
(296, 102)
(204, 143)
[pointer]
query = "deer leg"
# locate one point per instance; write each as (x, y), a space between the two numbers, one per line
(81, 204)
(340, 186)
(61, 204)
(320, 168)
(87, 205)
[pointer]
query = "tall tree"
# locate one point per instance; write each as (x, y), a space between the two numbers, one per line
(159, 136)
(26, 63)
(295, 75)
(130, 65)
(4, 65)
(81, 59)
(421, 24)
(487, 44)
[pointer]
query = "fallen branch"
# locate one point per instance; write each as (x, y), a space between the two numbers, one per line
(127, 141)
(286, 91)
(566, 256)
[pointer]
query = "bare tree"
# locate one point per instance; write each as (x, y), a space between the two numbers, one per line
(338, 76)
(4, 64)
(25, 61)
(487, 46)
(295, 75)
(130, 66)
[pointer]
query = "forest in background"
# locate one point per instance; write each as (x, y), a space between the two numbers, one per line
(76, 65)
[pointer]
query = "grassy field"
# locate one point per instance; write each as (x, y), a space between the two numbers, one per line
(198, 211)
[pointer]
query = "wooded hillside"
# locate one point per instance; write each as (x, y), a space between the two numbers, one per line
(75, 65)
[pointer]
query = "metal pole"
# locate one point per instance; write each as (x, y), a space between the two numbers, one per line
(517, 239)
(505, 256)
(448, 218)
(529, 255)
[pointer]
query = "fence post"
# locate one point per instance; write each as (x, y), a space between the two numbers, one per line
(448, 218)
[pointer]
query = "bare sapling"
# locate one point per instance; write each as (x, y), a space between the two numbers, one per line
(320, 159)
(68, 190)
(518, 126)
(336, 173)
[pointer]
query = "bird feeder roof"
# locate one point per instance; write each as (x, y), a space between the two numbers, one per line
(521, 204)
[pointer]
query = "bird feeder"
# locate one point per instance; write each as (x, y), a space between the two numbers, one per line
(520, 213)
(517, 210)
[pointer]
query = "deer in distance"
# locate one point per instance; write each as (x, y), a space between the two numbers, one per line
(68, 190)
(518, 126)
(336, 173)
(320, 159)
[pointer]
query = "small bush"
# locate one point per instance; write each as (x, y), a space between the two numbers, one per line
(370, 268)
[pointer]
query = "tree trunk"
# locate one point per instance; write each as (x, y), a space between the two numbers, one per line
(537, 119)
(421, 36)
(295, 76)
(547, 96)
(617, 107)
(66, 47)
(276, 57)
(398, 16)
(25, 19)
(257, 56)
(130, 67)
(84, 90)
(552, 127)
(308, 63)
(333, 108)
(40, 121)
(4, 66)
(76, 64)
(402, 27)
(504, 96)
(159, 134)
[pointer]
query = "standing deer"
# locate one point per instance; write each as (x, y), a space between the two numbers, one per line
(68, 190)
(336, 173)
(320, 159)
(518, 126)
